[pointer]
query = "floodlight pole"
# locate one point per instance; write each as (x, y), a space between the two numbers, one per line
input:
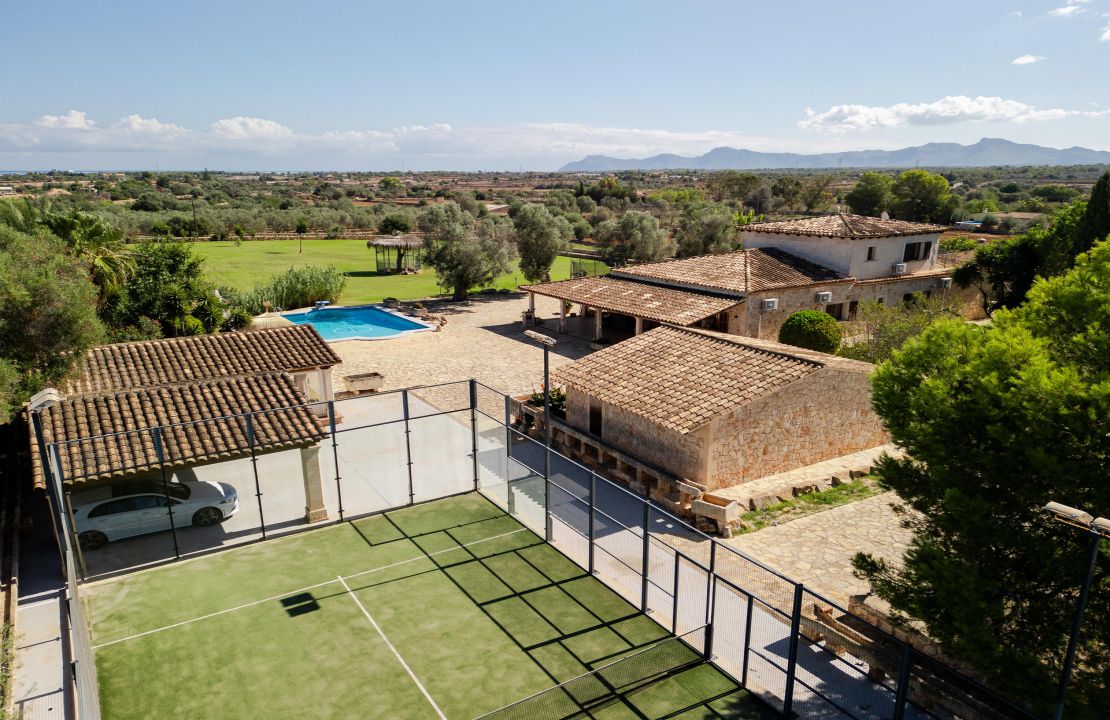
(1095, 529)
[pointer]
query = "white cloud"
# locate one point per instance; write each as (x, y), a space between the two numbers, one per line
(946, 111)
(1071, 9)
(140, 124)
(250, 128)
(73, 120)
(1015, 13)
(1105, 37)
(1027, 59)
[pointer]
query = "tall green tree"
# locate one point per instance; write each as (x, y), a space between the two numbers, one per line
(996, 422)
(871, 195)
(922, 196)
(635, 237)
(47, 315)
(1095, 224)
(732, 185)
(540, 237)
(464, 251)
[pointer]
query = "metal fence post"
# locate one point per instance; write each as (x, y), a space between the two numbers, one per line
(65, 510)
(674, 596)
(903, 682)
(408, 443)
(792, 659)
(335, 456)
(593, 512)
(644, 565)
(156, 436)
(710, 599)
(510, 501)
(254, 466)
(474, 428)
(747, 640)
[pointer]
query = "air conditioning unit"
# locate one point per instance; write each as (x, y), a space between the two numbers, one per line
(824, 297)
(769, 304)
(944, 283)
(898, 268)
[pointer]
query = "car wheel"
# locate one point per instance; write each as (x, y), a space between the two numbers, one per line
(208, 516)
(92, 540)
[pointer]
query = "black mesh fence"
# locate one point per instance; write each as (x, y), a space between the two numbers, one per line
(290, 468)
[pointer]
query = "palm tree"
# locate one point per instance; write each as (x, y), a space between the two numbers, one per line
(22, 215)
(97, 243)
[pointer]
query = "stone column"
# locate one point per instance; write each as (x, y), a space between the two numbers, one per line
(531, 302)
(597, 323)
(639, 325)
(562, 316)
(314, 509)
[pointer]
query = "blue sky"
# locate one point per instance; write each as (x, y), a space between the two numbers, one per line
(505, 85)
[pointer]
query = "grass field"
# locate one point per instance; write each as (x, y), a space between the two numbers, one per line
(446, 610)
(245, 265)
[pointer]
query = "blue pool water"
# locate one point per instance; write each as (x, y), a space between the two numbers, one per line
(365, 321)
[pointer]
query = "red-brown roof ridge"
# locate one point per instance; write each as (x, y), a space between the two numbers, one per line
(844, 225)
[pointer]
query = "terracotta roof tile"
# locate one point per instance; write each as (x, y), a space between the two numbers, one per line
(668, 305)
(204, 424)
(150, 363)
(681, 378)
(737, 272)
(843, 225)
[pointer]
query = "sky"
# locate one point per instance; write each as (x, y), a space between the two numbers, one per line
(431, 85)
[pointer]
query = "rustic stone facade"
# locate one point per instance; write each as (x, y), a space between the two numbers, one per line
(685, 455)
(748, 319)
(824, 415)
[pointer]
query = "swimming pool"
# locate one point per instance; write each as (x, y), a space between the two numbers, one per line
(363, 322)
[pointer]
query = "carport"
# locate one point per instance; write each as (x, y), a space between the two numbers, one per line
(94, 440)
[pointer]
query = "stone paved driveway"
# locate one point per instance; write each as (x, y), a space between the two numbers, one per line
(817, 549)
(482, 340)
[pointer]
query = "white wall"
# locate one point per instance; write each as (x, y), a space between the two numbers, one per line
(846, 255)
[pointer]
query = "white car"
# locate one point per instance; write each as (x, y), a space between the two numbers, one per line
(138, 507)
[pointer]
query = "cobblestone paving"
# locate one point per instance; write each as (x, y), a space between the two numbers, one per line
(817, 549)
(482, 339)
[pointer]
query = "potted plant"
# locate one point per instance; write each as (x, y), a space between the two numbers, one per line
(418, 310)
(390, 302)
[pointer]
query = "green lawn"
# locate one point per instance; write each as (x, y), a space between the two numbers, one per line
(243, 266)
(481, 609)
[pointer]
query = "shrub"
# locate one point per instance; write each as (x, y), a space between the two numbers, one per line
(296, 287)
(811, 329)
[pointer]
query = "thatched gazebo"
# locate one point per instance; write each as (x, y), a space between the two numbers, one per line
(396, 253)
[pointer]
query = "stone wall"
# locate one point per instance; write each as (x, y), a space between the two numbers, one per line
(750, 321)
(825, 415)
(683, 455)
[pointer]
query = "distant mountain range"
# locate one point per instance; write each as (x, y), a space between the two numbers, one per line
(985, 153)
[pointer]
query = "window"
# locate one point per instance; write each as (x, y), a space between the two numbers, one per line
(870, 253)
(917, 251)
(114, 507)
(595, 417)
(853, 308)
(836, 310)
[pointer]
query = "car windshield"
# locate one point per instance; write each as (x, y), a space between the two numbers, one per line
(153, 486)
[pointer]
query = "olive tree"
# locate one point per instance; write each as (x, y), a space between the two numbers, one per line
(465, 251)
(540, 237)
(635, 237)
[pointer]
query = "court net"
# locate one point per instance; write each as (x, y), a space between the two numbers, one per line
(577, 696)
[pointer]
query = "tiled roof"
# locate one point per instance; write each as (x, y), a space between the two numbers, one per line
(150, 363)
(109, 434)
(651, 302)
(738, 272)
(843, 225)
(682, 379)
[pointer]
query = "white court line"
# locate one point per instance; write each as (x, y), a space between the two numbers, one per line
(392, 649)
(422, 556)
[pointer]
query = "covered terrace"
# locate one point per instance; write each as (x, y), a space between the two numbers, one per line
(616, 307)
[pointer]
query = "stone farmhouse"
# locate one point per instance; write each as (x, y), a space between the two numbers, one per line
(828, 263)
(678, 413)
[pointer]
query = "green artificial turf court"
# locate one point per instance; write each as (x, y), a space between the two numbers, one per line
(448, 609)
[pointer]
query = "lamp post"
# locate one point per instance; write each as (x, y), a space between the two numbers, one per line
(1097, 529)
